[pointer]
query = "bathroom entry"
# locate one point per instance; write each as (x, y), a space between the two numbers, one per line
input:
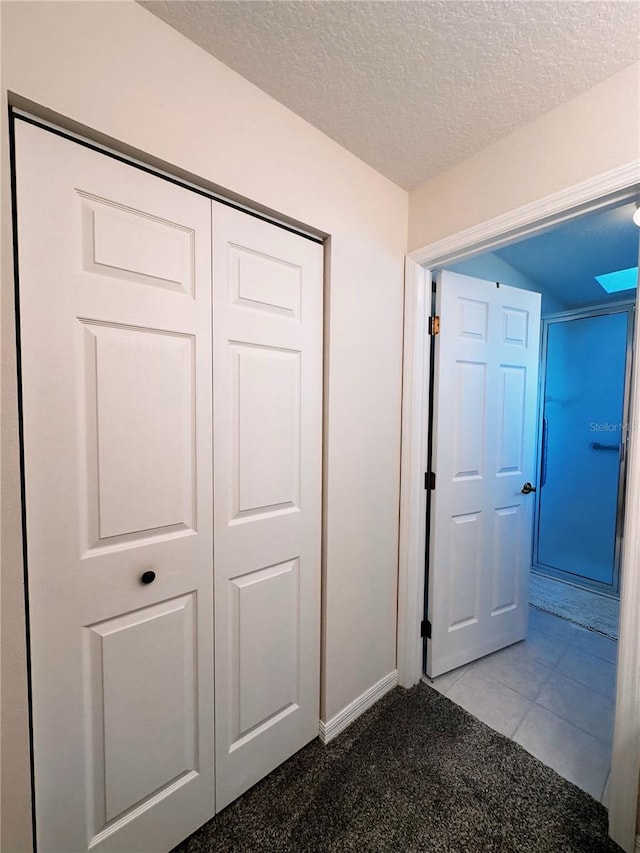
(586, 366)
(554, 692)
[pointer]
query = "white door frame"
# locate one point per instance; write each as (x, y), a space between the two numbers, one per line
(613, 187)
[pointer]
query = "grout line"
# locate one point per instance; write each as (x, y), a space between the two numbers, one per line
(575, 725)
(544, 683)
(589, 687)
(594, 655)
(431, 681)
(521, 723)
(556, 668)
(490, 677)
(573, 632)
(604, 787)
(459, 678)
(573, 647)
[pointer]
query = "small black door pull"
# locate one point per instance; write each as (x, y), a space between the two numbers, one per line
(527, 489)
(147, 577)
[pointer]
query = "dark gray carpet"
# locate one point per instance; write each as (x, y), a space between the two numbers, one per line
(416, 772)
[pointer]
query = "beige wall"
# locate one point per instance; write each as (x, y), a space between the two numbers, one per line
(117, 69)
(591, 134)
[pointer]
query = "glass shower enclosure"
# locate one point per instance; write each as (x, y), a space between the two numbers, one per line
(583, 435)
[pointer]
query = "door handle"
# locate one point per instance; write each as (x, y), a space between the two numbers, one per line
(545, 442)
(527, 489)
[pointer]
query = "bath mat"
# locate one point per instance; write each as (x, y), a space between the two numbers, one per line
(595, 612)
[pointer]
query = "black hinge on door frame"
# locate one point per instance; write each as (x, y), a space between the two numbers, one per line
(425, 629)
(430, 480)
(434, 320)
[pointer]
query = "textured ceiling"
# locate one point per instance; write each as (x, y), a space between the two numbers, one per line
(414, 87)
(566, 259)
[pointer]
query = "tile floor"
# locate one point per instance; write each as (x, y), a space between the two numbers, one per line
(553, 693)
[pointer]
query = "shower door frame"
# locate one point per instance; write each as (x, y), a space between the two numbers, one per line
(611, 590)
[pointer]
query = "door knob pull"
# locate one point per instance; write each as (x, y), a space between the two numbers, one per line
(527, 489)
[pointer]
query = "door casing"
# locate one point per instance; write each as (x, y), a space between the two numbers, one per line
(605, 190)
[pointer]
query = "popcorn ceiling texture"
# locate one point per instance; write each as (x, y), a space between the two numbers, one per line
(414, 87)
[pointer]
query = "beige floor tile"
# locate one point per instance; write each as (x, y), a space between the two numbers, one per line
(596, 645)
(549, 624)
(574, 754)
(594, 672)
(515, 668)
(496, 705)
(578, 704)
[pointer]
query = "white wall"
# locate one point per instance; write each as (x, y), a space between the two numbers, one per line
(492, 268)
(115, 68)
(591, 134)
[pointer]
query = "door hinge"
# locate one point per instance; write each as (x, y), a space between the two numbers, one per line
(434, 325)
(425, 629)
(430, 481)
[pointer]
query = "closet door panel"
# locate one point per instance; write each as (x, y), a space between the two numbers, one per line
(267, 505)
(115, 317)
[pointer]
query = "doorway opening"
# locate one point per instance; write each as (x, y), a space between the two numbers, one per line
(601, 192)
(552, 687)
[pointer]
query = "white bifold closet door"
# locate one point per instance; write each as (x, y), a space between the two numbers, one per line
(115, 300)
(115, 316)
(267, 498)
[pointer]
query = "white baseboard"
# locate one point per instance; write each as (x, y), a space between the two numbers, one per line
(345, 717)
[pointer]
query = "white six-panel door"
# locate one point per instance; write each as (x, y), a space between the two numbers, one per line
(486, 388)
(267, 499)
(115, 322)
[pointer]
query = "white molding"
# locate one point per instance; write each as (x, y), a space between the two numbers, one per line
(601, 191)
(607, 189)
(354, 709)
(413, 465)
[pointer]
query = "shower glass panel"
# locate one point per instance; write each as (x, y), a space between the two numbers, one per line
(582, 447)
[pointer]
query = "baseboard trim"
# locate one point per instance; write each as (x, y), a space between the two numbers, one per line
(344, 718)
